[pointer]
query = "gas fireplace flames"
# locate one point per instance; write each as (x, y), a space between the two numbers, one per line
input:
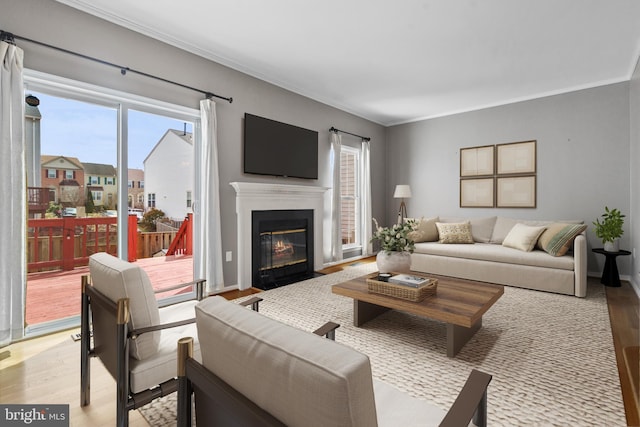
(282, 248)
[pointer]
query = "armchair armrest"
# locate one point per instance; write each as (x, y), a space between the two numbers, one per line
(134, 333)
(470, 403)
(198, 283)
(328, 330)
(253, 302)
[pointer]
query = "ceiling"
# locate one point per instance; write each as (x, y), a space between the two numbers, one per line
(401, 61)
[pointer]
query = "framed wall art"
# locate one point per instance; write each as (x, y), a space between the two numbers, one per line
(516, 192)
(477, 193)
(477, 161)
(516, 158)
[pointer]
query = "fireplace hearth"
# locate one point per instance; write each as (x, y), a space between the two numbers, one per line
(282, 247)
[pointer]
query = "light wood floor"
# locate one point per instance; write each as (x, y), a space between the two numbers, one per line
(46, 370)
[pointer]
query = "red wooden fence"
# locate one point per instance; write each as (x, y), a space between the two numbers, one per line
(66, 243)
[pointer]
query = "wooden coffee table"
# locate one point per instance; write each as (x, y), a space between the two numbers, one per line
(459, 303)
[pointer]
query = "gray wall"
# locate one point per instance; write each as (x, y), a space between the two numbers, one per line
(635, 174)
(59, 25)
(582, 158)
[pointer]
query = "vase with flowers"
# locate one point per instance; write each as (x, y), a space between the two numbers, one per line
(396, 246)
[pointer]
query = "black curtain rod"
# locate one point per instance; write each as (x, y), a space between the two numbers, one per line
(11, 38)
(364, 138)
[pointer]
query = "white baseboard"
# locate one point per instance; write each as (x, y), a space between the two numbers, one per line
(635, 285)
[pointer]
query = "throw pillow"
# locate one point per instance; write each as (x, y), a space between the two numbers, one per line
(426, 231)
(454, 232)
(558, 237)
(523, 237)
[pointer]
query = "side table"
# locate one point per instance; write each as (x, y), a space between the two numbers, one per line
(610, 276)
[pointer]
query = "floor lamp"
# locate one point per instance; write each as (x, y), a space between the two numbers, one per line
(402, 191)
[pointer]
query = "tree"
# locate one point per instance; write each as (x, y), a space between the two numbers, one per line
(89, 206)
(150, 218)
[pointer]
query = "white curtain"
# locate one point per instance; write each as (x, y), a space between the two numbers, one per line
(365, 191)
(209, 239)
(13, 202)
(336, 238)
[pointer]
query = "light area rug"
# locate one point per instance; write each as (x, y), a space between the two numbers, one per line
(551, 356)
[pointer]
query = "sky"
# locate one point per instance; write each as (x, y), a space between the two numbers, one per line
(89, 131)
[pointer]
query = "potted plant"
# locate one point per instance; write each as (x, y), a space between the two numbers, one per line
(609, 230)
(395, 246)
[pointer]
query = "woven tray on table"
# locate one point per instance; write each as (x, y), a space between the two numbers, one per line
(415, 294)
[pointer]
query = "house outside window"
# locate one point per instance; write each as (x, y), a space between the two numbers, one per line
(350, 197)
(151, 199)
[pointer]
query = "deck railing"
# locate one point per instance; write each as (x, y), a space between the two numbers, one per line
(38, 199)
(182, 244)
(66, 243)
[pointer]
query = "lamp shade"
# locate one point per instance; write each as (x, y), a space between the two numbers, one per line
(403, 191)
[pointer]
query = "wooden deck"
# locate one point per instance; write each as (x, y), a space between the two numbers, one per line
(56, 295)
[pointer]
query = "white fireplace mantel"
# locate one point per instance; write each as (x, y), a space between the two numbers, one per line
(255, 196)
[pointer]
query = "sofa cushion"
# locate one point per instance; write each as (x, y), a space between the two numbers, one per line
(496, 253)
(426, 231)
(118, 279)
(397, 408)
(558, 237)
(482, 228)
(454, 232)
(523, 237)
(501, 228)
(298, 377)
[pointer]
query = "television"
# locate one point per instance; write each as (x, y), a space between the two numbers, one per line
(280, 149)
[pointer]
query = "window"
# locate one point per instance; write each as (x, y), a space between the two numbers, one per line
(130, 184)
(141, 199)
(350, 197)
(97, 196)
(69, 174)
(94, 180)
(140, 184)
(188, 199)
(151, 200)
(52, 173)
(109, 181)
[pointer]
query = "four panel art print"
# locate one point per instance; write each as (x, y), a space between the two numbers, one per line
(501, 175)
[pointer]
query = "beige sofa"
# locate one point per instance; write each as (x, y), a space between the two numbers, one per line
(505, 251)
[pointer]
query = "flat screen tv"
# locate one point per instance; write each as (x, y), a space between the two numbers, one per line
(280, 149)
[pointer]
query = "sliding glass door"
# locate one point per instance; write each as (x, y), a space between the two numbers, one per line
(107, 172)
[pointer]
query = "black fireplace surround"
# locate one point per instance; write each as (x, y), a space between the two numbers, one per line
(281, 247)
